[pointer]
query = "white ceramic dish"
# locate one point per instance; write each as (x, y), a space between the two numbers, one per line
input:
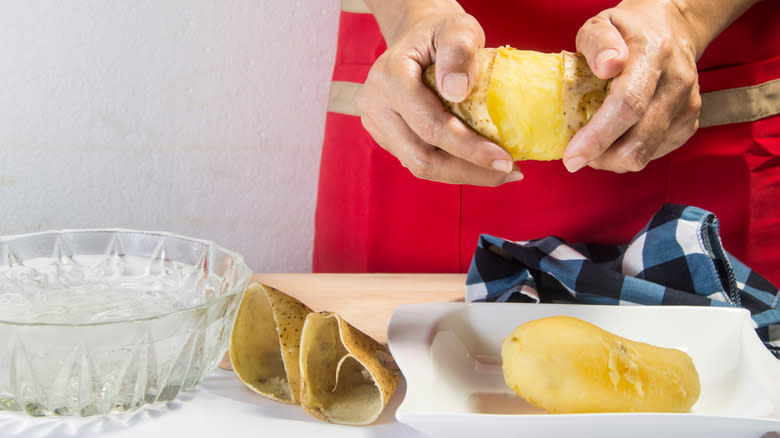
(449, 354)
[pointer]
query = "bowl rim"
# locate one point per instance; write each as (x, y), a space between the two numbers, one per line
(237, 258)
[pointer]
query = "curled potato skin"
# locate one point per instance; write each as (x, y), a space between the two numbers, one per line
(565, 365)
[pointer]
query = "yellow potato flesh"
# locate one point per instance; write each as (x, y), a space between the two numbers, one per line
(566, 365)
(525, 103)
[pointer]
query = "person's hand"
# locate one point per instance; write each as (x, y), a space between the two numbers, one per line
(409, 121)
(650, 48)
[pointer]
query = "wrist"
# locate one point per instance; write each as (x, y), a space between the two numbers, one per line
(708, 18)
(396, 16)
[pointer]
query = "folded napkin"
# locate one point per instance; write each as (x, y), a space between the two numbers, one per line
(677, 259)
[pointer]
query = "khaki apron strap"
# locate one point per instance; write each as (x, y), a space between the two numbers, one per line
(723, 107)
(354, 6)
(343, 98)
(744, 104)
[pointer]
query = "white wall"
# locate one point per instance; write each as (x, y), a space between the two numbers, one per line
(199, 117)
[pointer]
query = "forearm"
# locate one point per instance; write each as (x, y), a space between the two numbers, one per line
(393, 16)
(709, 18)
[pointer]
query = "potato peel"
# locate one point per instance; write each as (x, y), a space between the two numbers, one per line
(265, 342)
(281, 349)
(347, 377)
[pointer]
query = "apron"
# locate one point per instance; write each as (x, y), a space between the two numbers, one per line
(374, 216)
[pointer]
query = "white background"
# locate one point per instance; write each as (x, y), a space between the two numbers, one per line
(199, 117)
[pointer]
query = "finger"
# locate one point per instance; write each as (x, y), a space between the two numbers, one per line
(629, 97)
(456, 44)
(679, 133)
(425, 161)
(436, 126)
(603, 46)
(669, 122)
(673, 113)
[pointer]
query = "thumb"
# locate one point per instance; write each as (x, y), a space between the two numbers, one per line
(456, 46)
(603, 46)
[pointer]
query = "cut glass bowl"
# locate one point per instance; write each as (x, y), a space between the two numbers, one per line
(99, 321)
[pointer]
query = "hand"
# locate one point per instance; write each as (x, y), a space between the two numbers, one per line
(409, 121)
(650, 48)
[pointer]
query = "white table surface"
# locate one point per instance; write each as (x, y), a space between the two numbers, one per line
(220, 407)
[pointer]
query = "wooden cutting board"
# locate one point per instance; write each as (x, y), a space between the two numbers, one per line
(367, 300)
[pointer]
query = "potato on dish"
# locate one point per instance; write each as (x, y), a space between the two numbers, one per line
(566, 365)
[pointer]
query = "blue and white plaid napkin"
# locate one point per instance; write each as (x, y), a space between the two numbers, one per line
(677, 259)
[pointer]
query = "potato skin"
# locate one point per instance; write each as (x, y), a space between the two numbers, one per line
(566, 365)
(473, 109)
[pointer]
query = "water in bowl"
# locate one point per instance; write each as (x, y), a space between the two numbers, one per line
(92, 334)
(98, 288)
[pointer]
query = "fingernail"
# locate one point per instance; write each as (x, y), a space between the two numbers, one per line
(603, 57)
(454, 86)
(575, 163)
(514, 176)
(502, 165)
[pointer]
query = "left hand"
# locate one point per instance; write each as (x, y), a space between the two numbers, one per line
(650, 49)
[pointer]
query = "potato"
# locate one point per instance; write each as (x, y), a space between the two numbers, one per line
(565, 365)
(530, 103)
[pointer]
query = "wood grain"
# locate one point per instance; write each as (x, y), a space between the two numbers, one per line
(365, 300)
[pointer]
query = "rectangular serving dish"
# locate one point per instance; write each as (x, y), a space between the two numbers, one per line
(449, 354)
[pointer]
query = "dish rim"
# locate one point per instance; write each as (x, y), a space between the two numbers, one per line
(237, 260)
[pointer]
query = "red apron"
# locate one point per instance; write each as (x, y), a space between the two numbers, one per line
(374, 216)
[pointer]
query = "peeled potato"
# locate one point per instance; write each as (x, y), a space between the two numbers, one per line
(530, 103)
(348, 377)
(265, 342)
(565, 365)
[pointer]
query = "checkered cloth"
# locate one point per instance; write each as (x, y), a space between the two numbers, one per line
(677, 259)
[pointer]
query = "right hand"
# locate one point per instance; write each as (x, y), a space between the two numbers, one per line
(408, 120)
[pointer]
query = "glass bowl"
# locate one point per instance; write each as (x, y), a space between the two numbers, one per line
(107, 320)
